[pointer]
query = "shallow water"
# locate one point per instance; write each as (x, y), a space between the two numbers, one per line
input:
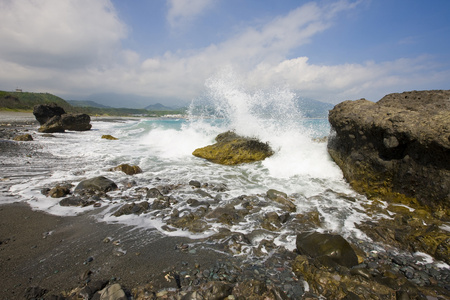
(162, 148)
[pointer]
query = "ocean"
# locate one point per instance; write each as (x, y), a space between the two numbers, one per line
(162, 148)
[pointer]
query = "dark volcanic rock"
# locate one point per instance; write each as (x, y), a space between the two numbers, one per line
(54, 119)
(76, 122)
(100, 183)
(52, 125)
(401, 144)
(334, 247)
(232, 149)
(44, 112)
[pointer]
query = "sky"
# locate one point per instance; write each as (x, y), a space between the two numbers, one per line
(165, 51)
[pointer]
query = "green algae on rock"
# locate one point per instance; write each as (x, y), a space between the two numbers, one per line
(109, 137)
(127, 169)
(401, 144)
(232, 149)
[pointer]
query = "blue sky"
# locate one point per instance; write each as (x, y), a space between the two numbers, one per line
(165, 50)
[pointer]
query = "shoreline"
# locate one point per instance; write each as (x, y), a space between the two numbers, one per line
(63, 255)
(56, 253)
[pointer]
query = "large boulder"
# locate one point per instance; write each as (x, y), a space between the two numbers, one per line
(76, 122)
(397, 146)
(52, 125)
(44, 112)
(232, 149)
(54, 119)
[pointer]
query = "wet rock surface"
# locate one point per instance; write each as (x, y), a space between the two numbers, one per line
(401, 144)
(232, 149)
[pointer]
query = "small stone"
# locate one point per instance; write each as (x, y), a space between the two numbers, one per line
(195, 183)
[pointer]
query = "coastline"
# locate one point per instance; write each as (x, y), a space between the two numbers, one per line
(56, 253)
(59, 254)
(65, 255)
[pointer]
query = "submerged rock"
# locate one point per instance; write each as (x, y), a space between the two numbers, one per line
(232, 149)
(401, 144)
(109, 137)
(127, 169)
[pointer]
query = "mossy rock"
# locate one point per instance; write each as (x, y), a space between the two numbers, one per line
(334, 247)
(127, 169)
(232, 149)
(23, 138)
(109, 137)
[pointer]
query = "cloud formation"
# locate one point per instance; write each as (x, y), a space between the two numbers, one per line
(74, 47)
(182, 12)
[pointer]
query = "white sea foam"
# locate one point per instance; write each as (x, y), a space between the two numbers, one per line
(163, 149)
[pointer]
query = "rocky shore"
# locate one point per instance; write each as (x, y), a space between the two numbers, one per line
(48, 257)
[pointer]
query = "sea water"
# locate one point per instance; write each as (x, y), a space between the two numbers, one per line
(162, 148)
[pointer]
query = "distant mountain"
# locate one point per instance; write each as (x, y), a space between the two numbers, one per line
(132, 101)
(313, 109)
(86, 103)
(158, 106)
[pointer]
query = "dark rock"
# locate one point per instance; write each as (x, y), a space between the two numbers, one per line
(335, 247)
(91, 288)
(195, 183)
(44, 112)
(76, 122)
(99, 183)
(75, 201)
(281, 198)
(23, 138)
(398, 145)
(34, 292)
(154, 193)
(232, 149)
(132, 208)
(52, 125)
(53, 118)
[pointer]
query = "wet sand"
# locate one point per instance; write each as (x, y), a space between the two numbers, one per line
(57, 253)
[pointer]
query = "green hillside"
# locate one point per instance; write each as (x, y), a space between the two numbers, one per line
(26, 100)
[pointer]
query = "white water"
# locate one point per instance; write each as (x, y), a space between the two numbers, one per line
(163, 149)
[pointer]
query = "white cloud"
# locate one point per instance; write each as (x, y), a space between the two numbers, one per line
(183, 11)
(74, 47)
(59, 34)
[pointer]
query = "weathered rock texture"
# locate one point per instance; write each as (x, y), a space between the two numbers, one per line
(54, 119)
(401, 144)
(232, 149)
